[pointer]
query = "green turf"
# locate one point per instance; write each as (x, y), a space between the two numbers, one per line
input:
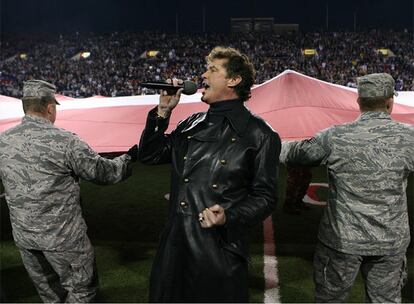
(124, 221)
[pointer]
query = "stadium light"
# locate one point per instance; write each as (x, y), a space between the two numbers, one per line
(152, 53)
(149, 54)
(309, 52)
(23, 56)
(85, 55)
(385, 52)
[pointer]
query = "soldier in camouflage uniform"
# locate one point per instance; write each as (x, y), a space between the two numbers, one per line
(365, 224)
(40, 166)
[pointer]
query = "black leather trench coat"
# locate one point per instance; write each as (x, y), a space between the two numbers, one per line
(234, 164)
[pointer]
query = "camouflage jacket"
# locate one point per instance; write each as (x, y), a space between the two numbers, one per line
(40, 166)
(368, 164)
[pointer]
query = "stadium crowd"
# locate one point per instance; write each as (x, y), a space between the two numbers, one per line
(118, 62)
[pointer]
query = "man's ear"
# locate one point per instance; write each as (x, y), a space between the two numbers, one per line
(50, 108)
(234, 81)
(51, 112)
(390, 105)
(359, 104)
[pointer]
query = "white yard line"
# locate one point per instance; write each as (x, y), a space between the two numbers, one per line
(271, 293)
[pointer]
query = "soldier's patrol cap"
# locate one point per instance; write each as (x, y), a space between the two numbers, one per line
(376, 85)
(39, 89)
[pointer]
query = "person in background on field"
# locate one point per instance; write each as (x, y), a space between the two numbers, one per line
(297, 184)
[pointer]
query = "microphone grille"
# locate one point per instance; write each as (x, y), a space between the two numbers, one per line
(190, 87)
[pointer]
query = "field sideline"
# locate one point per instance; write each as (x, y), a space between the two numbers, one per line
(124, 221)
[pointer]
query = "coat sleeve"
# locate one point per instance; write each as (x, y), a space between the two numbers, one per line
(89, 165)
(155, 146)
(262, 197)
(309, 152)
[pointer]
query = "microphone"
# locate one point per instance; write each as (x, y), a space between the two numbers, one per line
(189, 87)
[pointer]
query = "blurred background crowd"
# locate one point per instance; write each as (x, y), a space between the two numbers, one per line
(86, 64)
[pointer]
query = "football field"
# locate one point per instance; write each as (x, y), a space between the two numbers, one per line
(124, 222)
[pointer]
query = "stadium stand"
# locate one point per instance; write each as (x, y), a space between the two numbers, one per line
(117, 62)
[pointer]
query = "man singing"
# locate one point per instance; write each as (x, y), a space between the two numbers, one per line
(224, 173)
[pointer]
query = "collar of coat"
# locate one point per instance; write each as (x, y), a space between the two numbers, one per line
(374, 115)
(35, 119)
(238, 117)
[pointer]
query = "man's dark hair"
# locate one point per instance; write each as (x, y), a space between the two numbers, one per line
(238, 64)
(372, 103)
(37, 104)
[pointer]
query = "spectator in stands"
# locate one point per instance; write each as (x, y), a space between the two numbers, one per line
(224, 164)
(365, 224)
(40, 167)
(118, 62)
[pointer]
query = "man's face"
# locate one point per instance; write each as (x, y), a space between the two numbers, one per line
(216, 83)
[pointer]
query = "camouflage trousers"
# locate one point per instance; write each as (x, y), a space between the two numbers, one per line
(335, 272)
(67, 276)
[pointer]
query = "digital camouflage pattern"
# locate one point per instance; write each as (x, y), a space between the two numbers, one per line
(334, 273)
(40, 166)
(377, 85)
(63, 277)
(38, 88)
(368, 163)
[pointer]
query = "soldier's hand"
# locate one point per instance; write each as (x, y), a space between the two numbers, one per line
(213, 216)
(133, 152)
(169, 100)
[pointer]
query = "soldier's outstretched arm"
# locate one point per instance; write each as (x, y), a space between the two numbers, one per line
(309, 152)
(89, 165)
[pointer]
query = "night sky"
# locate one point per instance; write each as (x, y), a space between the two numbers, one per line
(120, 15)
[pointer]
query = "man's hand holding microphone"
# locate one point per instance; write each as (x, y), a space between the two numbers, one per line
(169, 98)
(170, 93)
